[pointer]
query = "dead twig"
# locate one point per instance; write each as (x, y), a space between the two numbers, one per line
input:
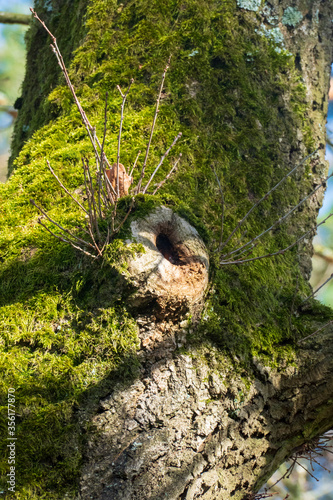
(161, 161)
(60, 227)
(126, 216)
(153, 126)
(65, 189)
(124, 96)
(317, 331)
(169, 174)
(279, 252)
(93, 203)
(134, 165)
(241, 222)
(101, 169)
(61, 238)
(317, 289)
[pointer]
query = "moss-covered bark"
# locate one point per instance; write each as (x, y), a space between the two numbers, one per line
(247, 87)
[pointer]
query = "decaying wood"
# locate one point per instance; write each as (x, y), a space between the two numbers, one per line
(173, 269)
(125, 181)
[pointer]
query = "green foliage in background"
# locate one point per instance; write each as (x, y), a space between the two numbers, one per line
(11, 72)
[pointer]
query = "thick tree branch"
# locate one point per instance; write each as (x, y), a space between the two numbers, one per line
(14, 18)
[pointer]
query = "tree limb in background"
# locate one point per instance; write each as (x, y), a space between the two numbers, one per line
(14, 18)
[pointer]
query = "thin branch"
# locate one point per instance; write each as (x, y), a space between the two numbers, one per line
(153, 126)
(65, 189)
(169, 174)
(94, 241)
(125, 218)
(282, 219)
(307, 470)
(106, 242)
(244, 233)
(89, 128)
(107, 196)
(161, 161)
(90, 214)
(241, 222)
(99, 174)
(279, 252)
(124, 96)
(60, 227)
(317, 289)
(136, 159)
(109, 187)
(285, 475)
(105, 123)
(66, 241)
(222, 206)
(42, 23)
(248, 250)
(92, 198)
(319, 330)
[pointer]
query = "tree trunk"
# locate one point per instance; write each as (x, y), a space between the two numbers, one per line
(224, 388)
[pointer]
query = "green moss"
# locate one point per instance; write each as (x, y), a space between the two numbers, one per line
(67, 332)
(117, 254)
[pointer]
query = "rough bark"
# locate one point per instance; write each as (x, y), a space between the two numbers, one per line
(183, 432)
(212, 411)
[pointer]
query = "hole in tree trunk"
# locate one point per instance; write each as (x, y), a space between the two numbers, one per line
(173, 270)
(167, 249)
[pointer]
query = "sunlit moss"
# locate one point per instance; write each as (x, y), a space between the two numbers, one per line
(64, 317)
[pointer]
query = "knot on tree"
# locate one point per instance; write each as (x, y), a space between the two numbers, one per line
(172, 273)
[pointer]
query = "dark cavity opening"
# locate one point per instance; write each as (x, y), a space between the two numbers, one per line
(167, 249)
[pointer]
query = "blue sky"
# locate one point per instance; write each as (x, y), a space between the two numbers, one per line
(16, 6)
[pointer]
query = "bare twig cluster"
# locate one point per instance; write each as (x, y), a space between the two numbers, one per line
(105, 184)
(260, 496)
(312, 452)
(240, 254)
(108, 183)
